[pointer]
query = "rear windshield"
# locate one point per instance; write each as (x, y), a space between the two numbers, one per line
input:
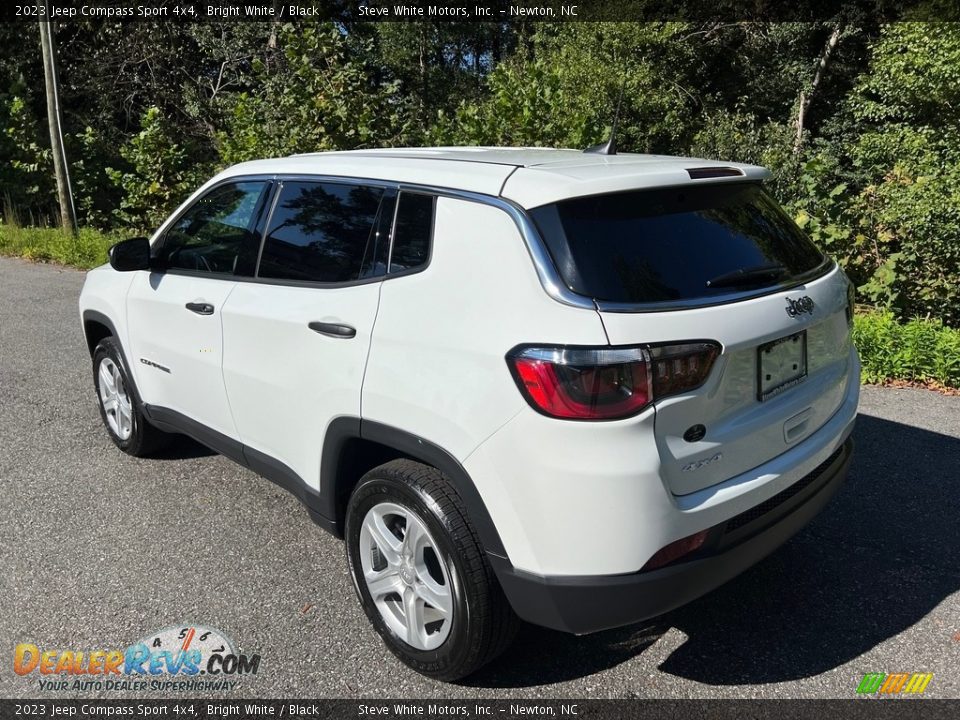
(674, 244)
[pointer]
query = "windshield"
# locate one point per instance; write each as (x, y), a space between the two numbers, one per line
(675, 244)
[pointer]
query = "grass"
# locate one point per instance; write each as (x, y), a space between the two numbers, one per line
(921, 351)
(87, 250)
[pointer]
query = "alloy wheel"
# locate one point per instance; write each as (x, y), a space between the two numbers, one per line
(406, 576)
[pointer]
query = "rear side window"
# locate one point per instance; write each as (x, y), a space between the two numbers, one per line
(675, 244)
(216, 234)
(412, 231)
(320, 232)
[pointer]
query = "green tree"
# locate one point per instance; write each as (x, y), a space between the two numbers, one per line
(317, 93)
(162, 172)
(438, 64)
(907, 213)
(565, 90)
(26, 175)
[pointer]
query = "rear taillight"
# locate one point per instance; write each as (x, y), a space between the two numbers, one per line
(678, 368)
(607, 383)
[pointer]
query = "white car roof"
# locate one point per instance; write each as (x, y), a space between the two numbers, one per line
(528, 176)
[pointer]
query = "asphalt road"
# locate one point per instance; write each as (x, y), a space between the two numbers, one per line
(97, 549)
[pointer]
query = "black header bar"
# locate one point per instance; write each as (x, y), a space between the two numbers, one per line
(472, 709)
(498, 11)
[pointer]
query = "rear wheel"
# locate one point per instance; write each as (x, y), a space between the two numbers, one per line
(120, 409)
(420, 573)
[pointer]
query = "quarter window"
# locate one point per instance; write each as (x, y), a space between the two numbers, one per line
(216, 234)
(412, 231)
(321, 232)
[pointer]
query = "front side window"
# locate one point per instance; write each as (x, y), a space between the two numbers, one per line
(321, 232)
(216, 235)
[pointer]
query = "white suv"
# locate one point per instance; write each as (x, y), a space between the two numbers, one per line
(575, 389)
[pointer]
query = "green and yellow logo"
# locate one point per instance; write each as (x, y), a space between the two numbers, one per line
(894, 683)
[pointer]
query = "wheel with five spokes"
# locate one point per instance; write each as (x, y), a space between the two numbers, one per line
(421, 574)
(119, 405)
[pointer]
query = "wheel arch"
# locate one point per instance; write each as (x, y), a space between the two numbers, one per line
(97, 326)
(353, 447)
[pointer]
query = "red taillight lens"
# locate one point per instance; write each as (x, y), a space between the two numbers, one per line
(678, 368)
(607, 383)
(676, 550)
(583, 384)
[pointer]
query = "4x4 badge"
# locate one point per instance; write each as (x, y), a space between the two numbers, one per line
(799, 306)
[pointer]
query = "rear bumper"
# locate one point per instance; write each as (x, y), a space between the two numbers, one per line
(585, 604)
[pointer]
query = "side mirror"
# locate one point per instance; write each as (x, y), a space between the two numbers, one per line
(132, 254)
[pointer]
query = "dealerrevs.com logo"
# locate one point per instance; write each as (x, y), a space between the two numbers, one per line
(181, 657)
(894, 683)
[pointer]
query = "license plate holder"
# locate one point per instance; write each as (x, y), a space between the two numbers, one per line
(781, 365)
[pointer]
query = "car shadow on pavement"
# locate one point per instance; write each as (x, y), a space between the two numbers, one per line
(543, 657)
(182, 447)
(873, 564)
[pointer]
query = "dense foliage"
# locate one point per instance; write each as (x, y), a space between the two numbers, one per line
(859, 122)
(918, 350)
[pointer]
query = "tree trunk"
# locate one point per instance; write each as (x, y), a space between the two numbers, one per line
(806, 97)
(68, 214)
(422, 40)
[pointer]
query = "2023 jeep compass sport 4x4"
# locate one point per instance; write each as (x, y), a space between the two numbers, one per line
(570, 388)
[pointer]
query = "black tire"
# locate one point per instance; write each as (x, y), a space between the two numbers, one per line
(483, 623)
(144, 438)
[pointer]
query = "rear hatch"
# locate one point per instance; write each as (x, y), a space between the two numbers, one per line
(718, 262)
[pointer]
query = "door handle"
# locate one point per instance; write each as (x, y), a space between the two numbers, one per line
(200, 308)
(333, 330)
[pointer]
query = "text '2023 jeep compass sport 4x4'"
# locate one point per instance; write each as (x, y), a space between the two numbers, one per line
(575, 389)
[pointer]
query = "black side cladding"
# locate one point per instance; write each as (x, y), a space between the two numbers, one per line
(323, 504)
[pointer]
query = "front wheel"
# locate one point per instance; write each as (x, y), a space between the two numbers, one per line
(119, 407)
(420, 572)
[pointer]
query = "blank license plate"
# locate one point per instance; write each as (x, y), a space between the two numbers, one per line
(781, 364)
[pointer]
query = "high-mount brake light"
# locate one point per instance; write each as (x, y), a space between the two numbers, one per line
(608, 383)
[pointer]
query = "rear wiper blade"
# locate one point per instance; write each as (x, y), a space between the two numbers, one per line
(747, 276)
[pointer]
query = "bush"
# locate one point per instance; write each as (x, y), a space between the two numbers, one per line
(921, 350)
(87, 250)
